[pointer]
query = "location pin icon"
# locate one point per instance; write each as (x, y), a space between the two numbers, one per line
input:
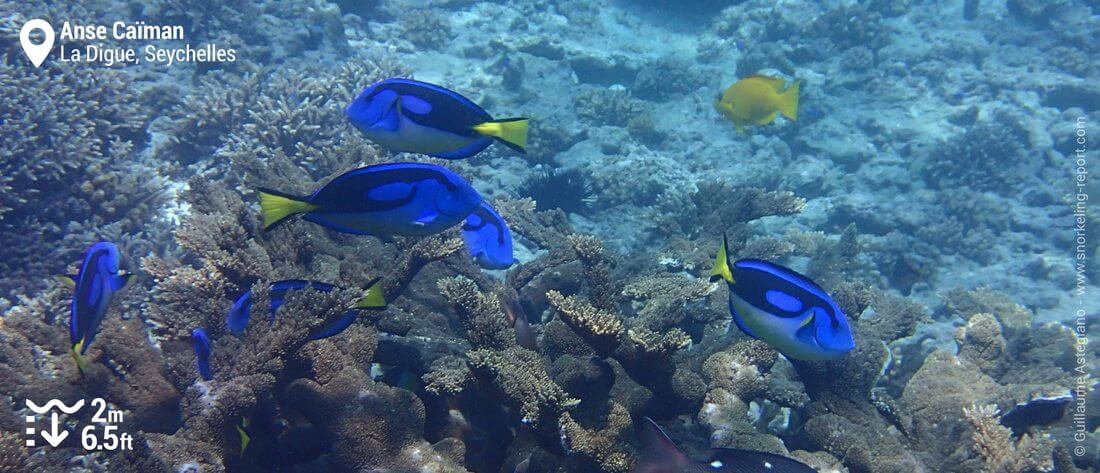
(36, 52)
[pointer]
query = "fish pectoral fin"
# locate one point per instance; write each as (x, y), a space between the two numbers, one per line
(69, 280)
(658, 452)
(426, 219)
(808, 320)
(768, 118)
(121, 281)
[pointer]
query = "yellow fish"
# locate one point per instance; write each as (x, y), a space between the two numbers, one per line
(756, 100)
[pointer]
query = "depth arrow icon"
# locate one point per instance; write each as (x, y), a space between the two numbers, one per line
(54, 437)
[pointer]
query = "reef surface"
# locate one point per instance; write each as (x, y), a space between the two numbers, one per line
(927, 184)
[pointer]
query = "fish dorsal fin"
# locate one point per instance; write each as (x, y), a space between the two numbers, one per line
(777, 83)
(721, 268)
(659, 453)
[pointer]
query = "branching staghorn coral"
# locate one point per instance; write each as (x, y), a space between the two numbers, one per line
(602, 290)
(480, 314)
(262, 32)
(693, 227)
(984, 300)
(295, 114)
(645, 355)
(667, 299)
(248, 375)
(522, 381)
(372, 425)
(603, 443)
(982, 343)
(121, 366)
(999, 451)
(68, 167)
(603, 331)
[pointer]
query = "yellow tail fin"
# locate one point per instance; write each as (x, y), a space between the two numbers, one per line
(722, 263)
(788, 101)
(77, 357)
(277, 206)
(510, 131)
(374, 298)
(243, 434)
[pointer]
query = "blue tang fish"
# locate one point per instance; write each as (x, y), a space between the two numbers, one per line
(93, 287)
(487, 238)
(201, 343)
(418, 117)
(383, 199)
(660, 455)
(239, 314)
(783, 308)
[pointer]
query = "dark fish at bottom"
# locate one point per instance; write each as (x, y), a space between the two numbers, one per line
(661, 455)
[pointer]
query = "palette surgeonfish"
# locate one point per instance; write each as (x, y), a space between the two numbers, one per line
(487, 238)
(201, 343)
(382, 199)
(240, 313)
(418, 117)
(783, 308)
(661, 455)
(100, 277)
(757, 100)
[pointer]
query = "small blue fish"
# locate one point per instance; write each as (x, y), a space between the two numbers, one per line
(783, 308)
(201, 343)
(240, 313)
(418, 117)
(383, 199)
(487, 238)
(660, 455)
(93, 287)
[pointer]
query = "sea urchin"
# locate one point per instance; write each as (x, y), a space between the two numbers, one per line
(558, 188)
